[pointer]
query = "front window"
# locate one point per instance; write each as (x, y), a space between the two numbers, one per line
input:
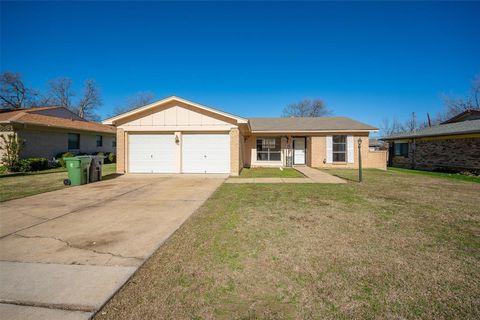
(401, 149)
(114, 142)
(99, 141)
(268, 149)
(73, 141)
(339, 148)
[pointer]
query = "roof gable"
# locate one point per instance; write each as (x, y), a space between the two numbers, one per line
(165, 103)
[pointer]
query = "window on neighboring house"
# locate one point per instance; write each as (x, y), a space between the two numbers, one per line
(268, 149)
(401, 149)
(99, 141)
(114, 142)
(73, 141)
(339, 148)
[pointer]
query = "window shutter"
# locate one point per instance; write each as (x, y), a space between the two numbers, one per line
(329, 149)
(350, 150)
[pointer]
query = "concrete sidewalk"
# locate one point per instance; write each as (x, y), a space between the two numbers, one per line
(318, 176)
(311, 176)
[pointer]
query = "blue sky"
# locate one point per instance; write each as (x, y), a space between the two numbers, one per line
(365, 60)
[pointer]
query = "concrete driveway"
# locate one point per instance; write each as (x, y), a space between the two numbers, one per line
(64, 253)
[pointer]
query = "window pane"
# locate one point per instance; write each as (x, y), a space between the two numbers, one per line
(339, 157)
(275, 156)
(262, 156)
(99, 141)
(266, 146)
(339, 147)
(401, 149)
(339, 139)
(73, 141)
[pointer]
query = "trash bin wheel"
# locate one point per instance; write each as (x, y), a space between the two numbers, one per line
(67, 182)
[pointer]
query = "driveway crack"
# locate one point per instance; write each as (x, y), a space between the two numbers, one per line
(68, 244)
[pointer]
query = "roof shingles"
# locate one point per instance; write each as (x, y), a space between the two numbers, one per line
(22, 117)
(464, 127)
(307, 124)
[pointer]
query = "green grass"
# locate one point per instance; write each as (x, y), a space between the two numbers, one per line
(394, 246)
(4, 173)
(15, 186)
(455, 176)
(270, 173)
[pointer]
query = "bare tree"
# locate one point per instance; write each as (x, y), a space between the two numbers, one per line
(455, 105)
(306, 108)
(137, 100)
(60, 92)
(13, 92)
(389, 128)
(90, 101)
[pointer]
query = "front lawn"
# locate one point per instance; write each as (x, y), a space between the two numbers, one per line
(397, 246)
(19, 185)
(270, 173)
(455, 176)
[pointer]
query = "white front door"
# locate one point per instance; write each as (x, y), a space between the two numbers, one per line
(152, 153)
(298, 150)
(206, 153)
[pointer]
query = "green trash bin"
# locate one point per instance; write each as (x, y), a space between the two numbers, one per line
(78, 170)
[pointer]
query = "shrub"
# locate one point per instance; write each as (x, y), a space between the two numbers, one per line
(111, 158)
(60, 157)
(33, 164)
(37, 164)
(11, 145)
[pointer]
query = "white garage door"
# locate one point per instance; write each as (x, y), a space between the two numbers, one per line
(152, 153)
(206, 153)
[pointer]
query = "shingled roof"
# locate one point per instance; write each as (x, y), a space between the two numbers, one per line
(305, 124)
(27, 116)
(464, 127)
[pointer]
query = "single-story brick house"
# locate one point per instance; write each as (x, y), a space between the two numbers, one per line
(453, 145)
(175, 135)
(48, 131)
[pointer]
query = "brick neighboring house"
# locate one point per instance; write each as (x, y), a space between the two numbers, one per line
(48, 131)
(453, 145)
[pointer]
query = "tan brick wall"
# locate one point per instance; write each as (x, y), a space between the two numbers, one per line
(370, 159)
(247, 152)
(235, 152)
(241, 151)
(121, 150)
(377, 159)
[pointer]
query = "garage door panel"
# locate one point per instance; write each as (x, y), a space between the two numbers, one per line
(206, 153)
(152, 153)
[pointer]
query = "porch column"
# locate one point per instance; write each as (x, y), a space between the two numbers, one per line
(121, 151)
(234, 152)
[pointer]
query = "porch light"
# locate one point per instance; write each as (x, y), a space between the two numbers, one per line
(360, 173)
(177, 139)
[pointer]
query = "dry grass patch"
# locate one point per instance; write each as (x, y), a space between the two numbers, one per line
(395, 246)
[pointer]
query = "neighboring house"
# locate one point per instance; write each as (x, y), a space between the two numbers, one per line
(48, 131)
(452, 145)
(377, 144)
(179, 136)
